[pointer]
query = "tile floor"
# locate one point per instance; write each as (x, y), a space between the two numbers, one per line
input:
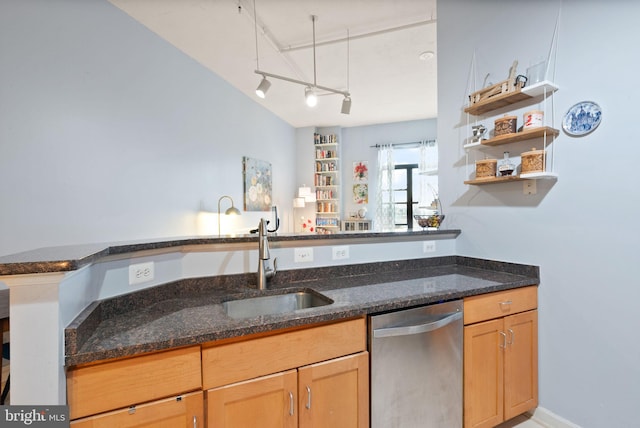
(522, 421)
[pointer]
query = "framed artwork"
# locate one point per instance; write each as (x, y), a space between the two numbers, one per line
(361, 193)
(257, 184)
(361, 172)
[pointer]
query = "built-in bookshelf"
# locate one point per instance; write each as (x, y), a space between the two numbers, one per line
(327, 182)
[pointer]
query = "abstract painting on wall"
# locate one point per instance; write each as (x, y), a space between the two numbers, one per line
(257, 184)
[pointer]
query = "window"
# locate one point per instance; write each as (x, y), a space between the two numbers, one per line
(404, 177)
(413, 192)
(407, 184)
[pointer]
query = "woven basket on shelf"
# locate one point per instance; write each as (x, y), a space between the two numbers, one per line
(486, 168)
(533, 161)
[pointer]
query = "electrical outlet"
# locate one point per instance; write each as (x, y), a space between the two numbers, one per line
(340, 253)
(141, 272)
(429, 246)
(303, 255)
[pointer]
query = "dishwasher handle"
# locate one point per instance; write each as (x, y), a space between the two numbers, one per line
(418, 328)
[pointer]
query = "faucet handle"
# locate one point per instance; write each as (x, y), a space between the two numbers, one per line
(272, 272)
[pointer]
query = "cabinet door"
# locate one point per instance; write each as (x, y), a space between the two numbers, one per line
(483, 374)
(183, 411)
(265, 402)
(521, 363)
(335, 393)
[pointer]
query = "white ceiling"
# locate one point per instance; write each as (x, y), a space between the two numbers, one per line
(387, 80)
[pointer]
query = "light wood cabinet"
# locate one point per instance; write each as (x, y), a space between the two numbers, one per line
(500, 356)
(268, 402)
(303, 376)
(181, 411)
(333, 393)
(112, 385)
(310, 377)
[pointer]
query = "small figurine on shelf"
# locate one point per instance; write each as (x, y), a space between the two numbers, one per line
(506, 166)
(478, 133)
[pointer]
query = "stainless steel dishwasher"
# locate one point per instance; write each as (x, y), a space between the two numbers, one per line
(416, 367)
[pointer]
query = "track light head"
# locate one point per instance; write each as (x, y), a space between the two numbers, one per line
(310, 96)
(263, 87)
(346, 105)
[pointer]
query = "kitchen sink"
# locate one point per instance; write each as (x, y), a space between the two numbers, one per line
(275, 304)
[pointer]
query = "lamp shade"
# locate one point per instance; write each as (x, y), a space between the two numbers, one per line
(263, 87)
(310, 96)
(232, 211)
(298, 202)
(346, 105)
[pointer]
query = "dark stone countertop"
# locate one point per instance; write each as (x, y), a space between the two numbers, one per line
(189, 311)
(73, 257)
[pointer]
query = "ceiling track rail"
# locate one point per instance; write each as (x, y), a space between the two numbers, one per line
(358, 36)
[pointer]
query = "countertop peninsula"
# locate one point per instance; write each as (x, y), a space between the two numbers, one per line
(72, 257)
(190, 311)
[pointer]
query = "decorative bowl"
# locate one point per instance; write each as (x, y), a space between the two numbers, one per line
(432, 220)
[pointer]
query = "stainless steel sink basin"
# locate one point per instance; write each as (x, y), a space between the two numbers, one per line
(275, 304)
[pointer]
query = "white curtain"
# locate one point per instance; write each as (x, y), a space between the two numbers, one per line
(428, 176)
(384, 220)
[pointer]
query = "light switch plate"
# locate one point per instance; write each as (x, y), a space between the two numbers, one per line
(303, 255)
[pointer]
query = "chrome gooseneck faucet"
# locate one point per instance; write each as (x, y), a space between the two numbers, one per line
(264, 271)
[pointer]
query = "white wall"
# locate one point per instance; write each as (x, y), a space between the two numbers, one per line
(582, 229)
(109, 133)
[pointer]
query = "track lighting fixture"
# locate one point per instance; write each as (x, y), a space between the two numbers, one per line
(310, 96)
(346, 105)
(310, 92)
(263, 87)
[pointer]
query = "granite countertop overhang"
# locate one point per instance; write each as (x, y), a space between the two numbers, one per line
(72, 257)
(190, 311)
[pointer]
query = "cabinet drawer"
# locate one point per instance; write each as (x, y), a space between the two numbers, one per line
(234, 362)
(182, 411)
(108, 386)
(499, 304)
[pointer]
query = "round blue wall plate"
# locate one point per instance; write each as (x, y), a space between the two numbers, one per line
(582, 118)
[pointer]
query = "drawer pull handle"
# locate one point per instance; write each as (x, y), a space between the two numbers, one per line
(291, 408)
(195, 422)
(308, 398)
(511, 335)
(506, 302)
(503, 345)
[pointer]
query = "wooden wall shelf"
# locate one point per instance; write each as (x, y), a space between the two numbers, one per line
(527, 134)
(509, 98)
(530, 176)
